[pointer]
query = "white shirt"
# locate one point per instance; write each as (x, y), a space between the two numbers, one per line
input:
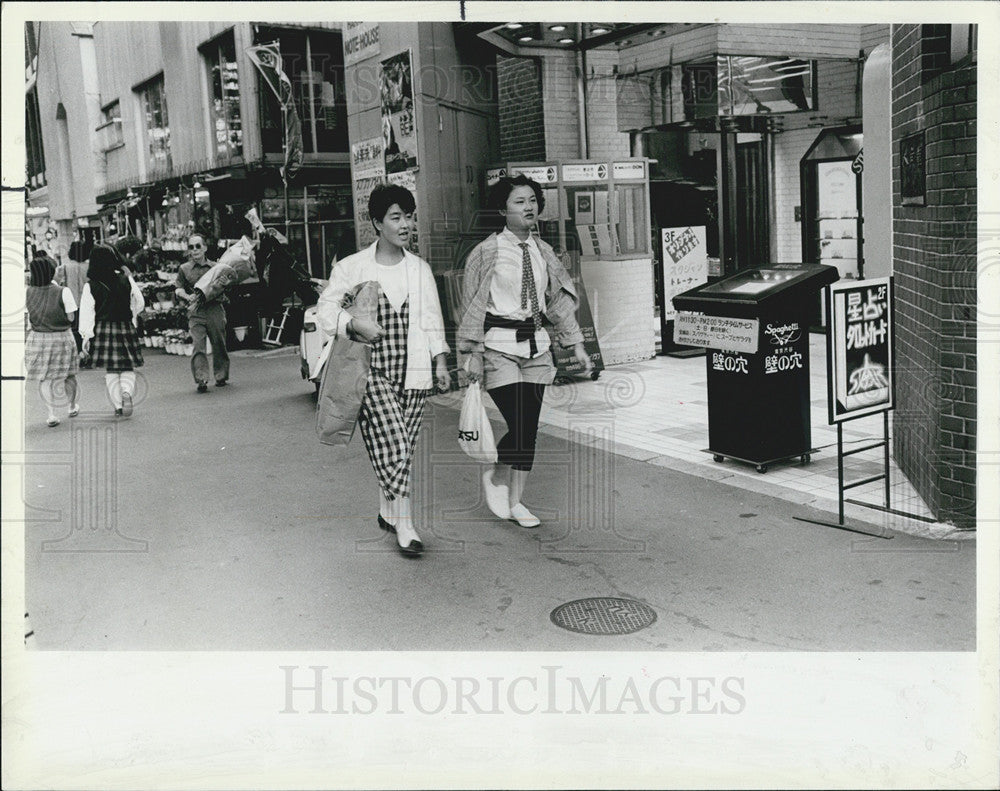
(425, 339)
(67, 297)
(505, 295)
(395, 283)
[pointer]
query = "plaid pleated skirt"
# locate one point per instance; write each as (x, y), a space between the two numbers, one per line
(116, 346)
(50, 355)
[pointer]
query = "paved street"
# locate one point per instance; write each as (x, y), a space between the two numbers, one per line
(223, 524)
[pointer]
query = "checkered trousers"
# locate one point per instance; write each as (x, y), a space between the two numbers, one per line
(390, 416)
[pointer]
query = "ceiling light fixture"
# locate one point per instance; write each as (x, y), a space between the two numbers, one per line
(557, 28)
(597, 31)
(565, 41)
(514, 25)
(525, 38)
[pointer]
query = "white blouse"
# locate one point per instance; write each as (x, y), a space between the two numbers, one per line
(505, 295)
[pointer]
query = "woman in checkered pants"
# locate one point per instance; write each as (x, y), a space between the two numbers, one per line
(515, 292)
(408, 351)
(109, 306)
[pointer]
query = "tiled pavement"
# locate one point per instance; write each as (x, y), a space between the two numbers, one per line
(656, 411)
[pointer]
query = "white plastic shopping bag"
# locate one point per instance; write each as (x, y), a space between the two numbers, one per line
(475, 434)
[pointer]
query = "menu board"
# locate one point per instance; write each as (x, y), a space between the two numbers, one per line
(716, 332)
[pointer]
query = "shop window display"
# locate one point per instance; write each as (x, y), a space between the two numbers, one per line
(313, 61)
(153, 101)
(224, 98)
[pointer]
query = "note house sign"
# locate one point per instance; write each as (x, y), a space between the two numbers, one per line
(913, 170)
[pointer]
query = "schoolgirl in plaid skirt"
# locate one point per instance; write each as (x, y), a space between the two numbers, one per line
(110, 303)
(50, 354)
(408, 352)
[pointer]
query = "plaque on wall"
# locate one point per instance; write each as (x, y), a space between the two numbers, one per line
(913, 170)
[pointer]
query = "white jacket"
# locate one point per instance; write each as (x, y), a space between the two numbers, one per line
(425, 339)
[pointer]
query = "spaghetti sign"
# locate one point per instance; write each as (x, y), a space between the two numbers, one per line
(859, 354)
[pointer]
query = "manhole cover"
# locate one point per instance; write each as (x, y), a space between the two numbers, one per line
(603, 615)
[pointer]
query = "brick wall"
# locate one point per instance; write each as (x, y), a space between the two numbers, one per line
(522, 134)
(934, 264)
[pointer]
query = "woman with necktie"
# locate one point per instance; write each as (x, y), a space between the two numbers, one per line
(517, 299)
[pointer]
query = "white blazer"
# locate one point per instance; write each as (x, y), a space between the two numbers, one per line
(425, 339)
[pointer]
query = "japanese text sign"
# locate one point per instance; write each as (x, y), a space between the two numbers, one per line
(859, 352)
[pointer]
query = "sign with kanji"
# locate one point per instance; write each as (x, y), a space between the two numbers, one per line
(718, 332)
(859, 352)
(367, 172)
(543, 174)
(399, 119)
(585, 172)
(685, 263)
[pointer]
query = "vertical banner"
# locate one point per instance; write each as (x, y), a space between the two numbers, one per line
(859, 351)
(367, 171)
(399, 126)
(685, 264)
(267, 59)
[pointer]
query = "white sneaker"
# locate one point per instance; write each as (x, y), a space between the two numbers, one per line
(496, 496)
(523, 516)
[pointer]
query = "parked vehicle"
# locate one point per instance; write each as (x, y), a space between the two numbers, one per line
(313, 342)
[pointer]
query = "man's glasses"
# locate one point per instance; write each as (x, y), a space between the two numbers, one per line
(195, 246)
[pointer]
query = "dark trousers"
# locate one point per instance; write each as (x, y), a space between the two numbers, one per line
(209, 323)
(520, 404)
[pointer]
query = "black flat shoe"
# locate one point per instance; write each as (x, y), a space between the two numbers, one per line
(412, 550)
(389, 528)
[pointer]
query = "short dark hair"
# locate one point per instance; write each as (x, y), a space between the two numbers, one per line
(43, 269)
(499, 192)
(384, 196)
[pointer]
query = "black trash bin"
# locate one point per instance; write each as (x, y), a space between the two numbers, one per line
(758, 401)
